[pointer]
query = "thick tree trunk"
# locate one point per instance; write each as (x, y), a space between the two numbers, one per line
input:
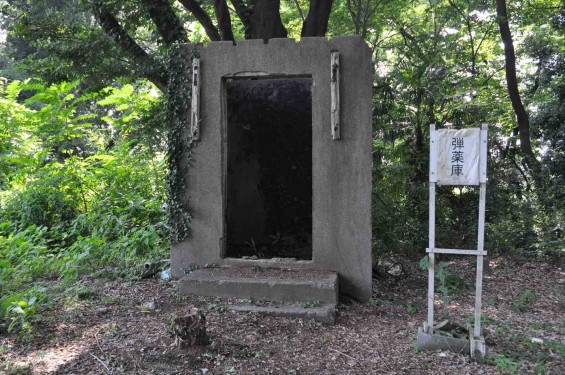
(512, 83)
(224, 19)
(168, 24)
(316, 23)
(265, 21)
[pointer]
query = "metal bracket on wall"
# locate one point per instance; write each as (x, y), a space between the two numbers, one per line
(336, 130)
(195, 106)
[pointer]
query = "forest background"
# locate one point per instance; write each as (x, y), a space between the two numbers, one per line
(85, 126)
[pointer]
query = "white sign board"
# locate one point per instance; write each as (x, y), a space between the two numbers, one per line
(457, 153)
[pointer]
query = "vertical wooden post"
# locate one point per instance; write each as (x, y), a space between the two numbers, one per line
(195, 105)
(334, 88)
(481, 229)
(431, 257)
(432, 226)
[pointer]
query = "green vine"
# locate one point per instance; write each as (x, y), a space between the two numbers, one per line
(180, 142)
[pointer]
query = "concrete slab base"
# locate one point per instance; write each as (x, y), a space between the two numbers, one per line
(263, 283)
(431, 342)
(476, 347)
(324, 314)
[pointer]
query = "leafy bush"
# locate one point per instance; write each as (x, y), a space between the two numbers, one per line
(83, 198)
(25, 256)
(21, 310)
(42, 203)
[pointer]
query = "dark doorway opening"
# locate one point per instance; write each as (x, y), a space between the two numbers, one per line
(269, 167)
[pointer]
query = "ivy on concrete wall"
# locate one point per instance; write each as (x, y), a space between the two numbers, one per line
(180, 141)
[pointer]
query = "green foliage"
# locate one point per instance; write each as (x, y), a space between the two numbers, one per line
(524, 301)
(413, 308)
(21, 311)
(485, 319)
(310, 304)
(83, 155)
(505, 365)
(179, 147)
(25, 257)
(373, 303)
(441, 63)
(71, 203)
(449, 284)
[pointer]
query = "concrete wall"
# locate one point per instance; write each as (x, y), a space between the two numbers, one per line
(341, 233)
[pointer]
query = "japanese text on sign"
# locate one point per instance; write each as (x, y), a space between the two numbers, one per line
(458, 156)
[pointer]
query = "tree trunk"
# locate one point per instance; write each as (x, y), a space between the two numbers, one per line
(316, 23)
(512, 84)
(168, 24)
(265, 21)
(224, 20)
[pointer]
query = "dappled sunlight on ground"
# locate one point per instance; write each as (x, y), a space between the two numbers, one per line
(115, 330)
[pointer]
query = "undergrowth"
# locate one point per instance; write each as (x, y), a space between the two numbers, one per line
(83, 196)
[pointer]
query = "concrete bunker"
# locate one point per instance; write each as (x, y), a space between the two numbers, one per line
(279, 174)
(269, 167)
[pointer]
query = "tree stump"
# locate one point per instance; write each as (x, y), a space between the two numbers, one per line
(190, 329)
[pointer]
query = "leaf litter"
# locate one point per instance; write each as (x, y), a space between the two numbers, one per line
(115, 333)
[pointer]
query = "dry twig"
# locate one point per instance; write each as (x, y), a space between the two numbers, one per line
(101, 362)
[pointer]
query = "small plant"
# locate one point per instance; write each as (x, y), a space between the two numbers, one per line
(449, 284)
(373, 303)
(258, 252)
(538, 326)
(21, 312)
(524, 302)
(540, 369)
(412, 309)
(218, 307)
(503, 328)
(310, 304)
(505, 365)
(485, 319)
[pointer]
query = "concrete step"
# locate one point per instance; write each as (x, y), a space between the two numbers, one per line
(325, 313)
(271, 284)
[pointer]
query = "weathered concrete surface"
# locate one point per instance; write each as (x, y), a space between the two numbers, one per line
(432, 342)
(341, 222)
(272, 285)
(325, 314)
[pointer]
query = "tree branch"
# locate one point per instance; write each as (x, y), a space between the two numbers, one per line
(300, 12)
(193, 7)
(243, 13)
(148, 66)
(168, 24)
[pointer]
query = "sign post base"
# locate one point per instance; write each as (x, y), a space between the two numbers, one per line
(428, 341)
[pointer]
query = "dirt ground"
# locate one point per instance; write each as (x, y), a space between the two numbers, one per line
(124, 327)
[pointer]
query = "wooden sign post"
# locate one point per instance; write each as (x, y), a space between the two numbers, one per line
(457, 157)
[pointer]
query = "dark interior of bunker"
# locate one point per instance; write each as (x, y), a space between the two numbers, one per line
(269, 167)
